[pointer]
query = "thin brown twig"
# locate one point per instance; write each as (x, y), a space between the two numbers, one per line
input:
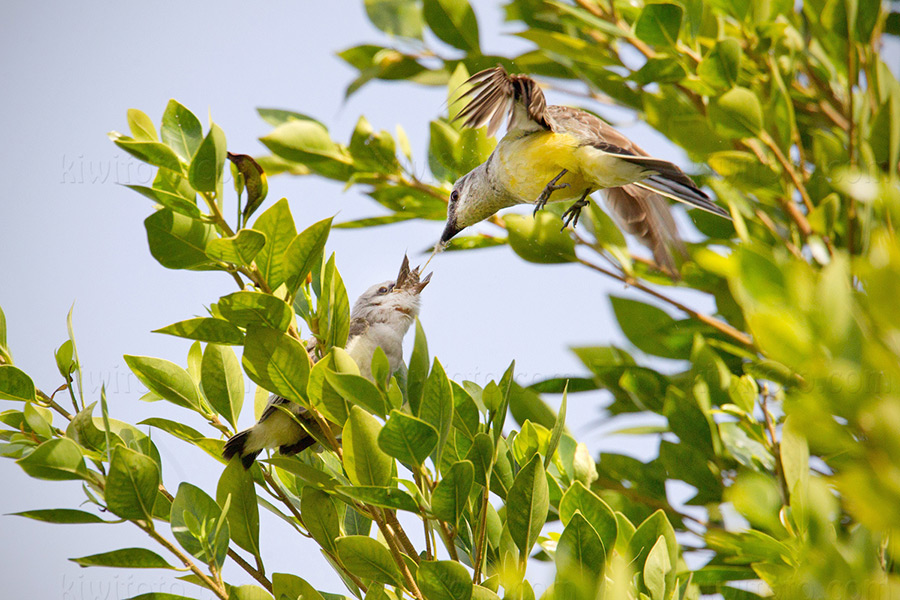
(391, 519)
(53, 404)
(716, 324)
(482, 537)
(770, 427)
(391, 540)
(185, 560)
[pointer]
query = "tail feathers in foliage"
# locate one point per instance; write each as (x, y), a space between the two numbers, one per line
(236, 446)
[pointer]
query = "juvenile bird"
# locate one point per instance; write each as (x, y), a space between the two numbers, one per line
(380, 318)
(567, 153)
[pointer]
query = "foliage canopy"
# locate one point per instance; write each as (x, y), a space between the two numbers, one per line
(783, 413)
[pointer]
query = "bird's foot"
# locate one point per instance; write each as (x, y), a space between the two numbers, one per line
(548, 191)
(573, 212)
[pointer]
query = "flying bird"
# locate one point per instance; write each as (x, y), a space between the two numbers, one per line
(557, 153)
(380, 318)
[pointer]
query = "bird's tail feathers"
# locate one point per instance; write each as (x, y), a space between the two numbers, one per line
(237, 446)
(677, 190)
(645, 215)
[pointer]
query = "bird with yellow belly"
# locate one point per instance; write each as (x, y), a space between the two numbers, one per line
(557, 153)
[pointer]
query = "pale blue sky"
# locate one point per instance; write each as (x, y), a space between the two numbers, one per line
(69, 233)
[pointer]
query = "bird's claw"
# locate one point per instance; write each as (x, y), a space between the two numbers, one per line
(573, 212)
(548, 191)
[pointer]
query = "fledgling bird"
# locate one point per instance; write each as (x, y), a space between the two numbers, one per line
(380, 317)
(567, 153)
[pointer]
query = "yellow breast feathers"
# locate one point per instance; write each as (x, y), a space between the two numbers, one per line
(528, 163)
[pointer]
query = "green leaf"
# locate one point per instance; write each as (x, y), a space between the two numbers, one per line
(444, 580)
(153, 153)
(557, 431)
(481, 455)
(656, 568)
(402, 18)
(737, 113)
(248, 592)
(56, 459)
(223, 381)
(364, 461)
(141, 126)
(249, 309)
(418, 369)
(165, 379)
(662, 69)
(320, 517)
(205, 329)
(172, 201)
(243, 512)
(451, 494)
(651, 329)
(368, 559)
(239, 249)
(645, 537)
(291, 587)
(580, 553)
(83, 430)
(307, 142)
(437, 406)
(579, 499)
(181, 130)
(253, 179)
(794, 454)
(407, 438)
(527, 504)
(15, 384)
(126, 558)
(196, 524)
(538, 239)
(310, 476)
(131, 484)
(333, 309)
(65, 516)
(177, 241)
(277, 362)
(721, 66)
(277, 224)
(453, 22)
(208, 164)
(304, 252)
(359, 390)
(658, 24)
(385, 497)
(179, 430)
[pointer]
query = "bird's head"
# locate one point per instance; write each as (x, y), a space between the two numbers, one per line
(393, 301)
(470, 202)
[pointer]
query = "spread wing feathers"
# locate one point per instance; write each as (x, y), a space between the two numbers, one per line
(495, 94)
(645, 215)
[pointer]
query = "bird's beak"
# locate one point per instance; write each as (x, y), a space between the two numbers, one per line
(421, 285)
(449, 230)
(403, 275)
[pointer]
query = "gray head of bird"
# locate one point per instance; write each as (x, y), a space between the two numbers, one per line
(392, 301)
(471, 201)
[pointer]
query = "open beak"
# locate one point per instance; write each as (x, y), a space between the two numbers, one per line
(421, 285)
(408, 279)
(403, 275)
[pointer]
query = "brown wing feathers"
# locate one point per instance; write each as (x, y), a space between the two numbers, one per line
(495, 93)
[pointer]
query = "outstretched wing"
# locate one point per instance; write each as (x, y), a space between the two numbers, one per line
(495, 94)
